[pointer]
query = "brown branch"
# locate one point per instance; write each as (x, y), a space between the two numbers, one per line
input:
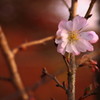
(9, 56)
(5, 79)
(72, 78)
(28, 44)
(73, 9)
(73, 67)
(88, 15)
(87, 95)
(52, 99)
(67, 63)
(58, 84)
(35, 86)
(66, 4)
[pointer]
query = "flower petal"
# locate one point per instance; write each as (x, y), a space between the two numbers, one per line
(62, 24)
(69, 25)
(62, 33)
(61, 48)
(75, 50)
(83, 45)
(57, 41)
(79, 23)
(62, 36)
(70, 48)
(90, 36)
(65, 25)
(80, 46)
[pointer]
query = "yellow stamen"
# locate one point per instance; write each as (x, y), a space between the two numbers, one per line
(73, 36)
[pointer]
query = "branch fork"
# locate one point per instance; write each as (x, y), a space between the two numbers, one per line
(58, 84)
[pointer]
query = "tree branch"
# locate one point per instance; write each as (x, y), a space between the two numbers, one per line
(5, 79)
(58, 84)
(72, 78)
(88, 15)
(34, 86)
(73, 67)
(67, 63)
(87, 95)
(9, 56)
(28, 44)
(73, 9)
(66, 4)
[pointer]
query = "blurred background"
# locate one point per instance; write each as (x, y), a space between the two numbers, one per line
(29, 20)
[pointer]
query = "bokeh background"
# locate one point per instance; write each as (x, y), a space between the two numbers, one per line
(29, 20)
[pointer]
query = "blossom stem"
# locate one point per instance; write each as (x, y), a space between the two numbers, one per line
(71, 78)
(67, 64)
(71, 84)
(73, 9)
(73, 68)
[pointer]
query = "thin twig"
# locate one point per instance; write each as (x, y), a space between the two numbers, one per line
(28, 44)
(88, 15)
(67, 64)
(9, 56)
(5, 79)
(73, 9)
(58, 84)
(87, 95)
(66, 4)
(34, 86)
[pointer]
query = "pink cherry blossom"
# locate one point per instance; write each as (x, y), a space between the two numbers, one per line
(72, 38)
